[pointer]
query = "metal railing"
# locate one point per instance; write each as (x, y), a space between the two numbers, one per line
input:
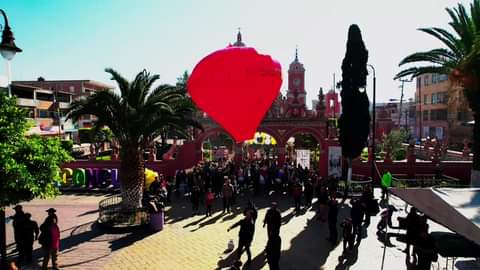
(113, 213)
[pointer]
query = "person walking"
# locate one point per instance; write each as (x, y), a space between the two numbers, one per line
(209, 198)
(245, 235)
(273, 220)
(332, 220)
(227, 193)
(29, 233)
(273, 250)
(50, 239)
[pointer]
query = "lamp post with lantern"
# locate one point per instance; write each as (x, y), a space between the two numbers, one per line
(8, 49)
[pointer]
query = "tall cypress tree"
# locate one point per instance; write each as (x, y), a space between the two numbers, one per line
(354, 123)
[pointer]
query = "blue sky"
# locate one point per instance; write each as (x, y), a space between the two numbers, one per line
(77, 39)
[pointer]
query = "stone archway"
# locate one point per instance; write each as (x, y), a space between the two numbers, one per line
(211, 133)
(315, 133)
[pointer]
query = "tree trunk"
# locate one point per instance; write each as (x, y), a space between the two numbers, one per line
(475, 175)
(132, 176)
(3, 240)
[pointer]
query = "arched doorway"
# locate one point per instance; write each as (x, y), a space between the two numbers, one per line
(262, 146)
(304, 146)
(217, 146)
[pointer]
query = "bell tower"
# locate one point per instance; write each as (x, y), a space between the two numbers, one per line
(296, 88)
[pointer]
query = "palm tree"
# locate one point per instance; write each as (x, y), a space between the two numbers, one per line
(136, 117)
(460, 59)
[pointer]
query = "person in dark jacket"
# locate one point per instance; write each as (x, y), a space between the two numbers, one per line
(245, 235)
(18, 222)
(348, 236)
(195, 197)
(274, 246)
(252, 208)
(332, 220)
(425, 249)
(29, 233)
(356, 213)
(297, 195)
(273, 220)
(308, 193)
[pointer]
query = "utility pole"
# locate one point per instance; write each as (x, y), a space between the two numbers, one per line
(401, 102)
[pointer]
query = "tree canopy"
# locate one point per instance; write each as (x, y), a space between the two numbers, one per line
(29, 166)
(354, 123)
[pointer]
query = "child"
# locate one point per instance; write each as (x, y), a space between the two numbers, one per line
(209, 201)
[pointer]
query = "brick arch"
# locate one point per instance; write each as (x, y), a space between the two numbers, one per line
(210, 132)
(272, 132)
(308, 130)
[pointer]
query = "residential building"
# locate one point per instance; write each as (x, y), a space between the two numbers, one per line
(47, 90)
(441, 110)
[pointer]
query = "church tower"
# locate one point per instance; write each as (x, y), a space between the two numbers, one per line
(296, 94)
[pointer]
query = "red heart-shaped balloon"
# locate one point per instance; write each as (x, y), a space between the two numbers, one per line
(236, 86)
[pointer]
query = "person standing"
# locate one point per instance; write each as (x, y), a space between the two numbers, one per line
(50, 239)
(227, 193)
(413, 224)
(18, 222)
(273, 220)
(29, 233)
(209, 198)
(348, 236)
(356, 213)
(322, 201)
(308, 193)
(195, 197)
(273, 250)
(297, 195)
(332, 220)
(252, 208)
(425, 249)
(245, 235)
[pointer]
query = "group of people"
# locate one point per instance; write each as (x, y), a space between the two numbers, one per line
(211, 180)
(26, 231)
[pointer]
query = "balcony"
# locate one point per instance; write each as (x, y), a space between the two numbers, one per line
(26, 102)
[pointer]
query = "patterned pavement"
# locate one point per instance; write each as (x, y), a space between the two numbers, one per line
(197, 242)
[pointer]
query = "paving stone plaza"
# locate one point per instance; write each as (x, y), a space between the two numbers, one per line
(199, 242)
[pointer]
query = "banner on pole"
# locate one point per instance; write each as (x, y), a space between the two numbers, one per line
(303, 158)
(335, 161)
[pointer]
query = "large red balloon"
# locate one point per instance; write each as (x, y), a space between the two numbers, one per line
(236, 86)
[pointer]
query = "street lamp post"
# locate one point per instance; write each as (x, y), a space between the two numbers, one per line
(372, 172)
(8, 49)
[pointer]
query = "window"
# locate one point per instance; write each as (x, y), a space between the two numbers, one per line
(425, 99)
(44, 96)
(426, 80)
(434, 98)
(419, 82)
(438, 114)
(44, 113)
(425, 115)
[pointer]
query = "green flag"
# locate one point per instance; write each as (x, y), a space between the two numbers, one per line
(387, 179)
